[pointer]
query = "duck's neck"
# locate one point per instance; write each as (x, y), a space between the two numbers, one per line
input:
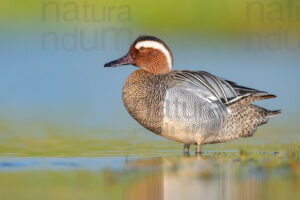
(158, 69)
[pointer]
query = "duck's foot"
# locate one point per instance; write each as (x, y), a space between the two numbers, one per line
(186, 148)
(186, 154)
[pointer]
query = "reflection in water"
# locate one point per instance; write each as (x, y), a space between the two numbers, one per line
(208, 178)
(214, 175)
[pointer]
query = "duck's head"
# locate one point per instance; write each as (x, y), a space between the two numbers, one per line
(148, 53)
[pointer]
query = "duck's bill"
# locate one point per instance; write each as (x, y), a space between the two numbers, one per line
(125, 60)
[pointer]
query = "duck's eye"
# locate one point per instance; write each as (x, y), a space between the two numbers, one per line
(142, 48)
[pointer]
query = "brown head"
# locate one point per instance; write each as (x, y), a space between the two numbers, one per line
(148, 53)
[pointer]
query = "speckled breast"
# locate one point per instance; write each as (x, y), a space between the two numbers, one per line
(143, 96)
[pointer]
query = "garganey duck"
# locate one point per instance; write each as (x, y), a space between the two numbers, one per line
(191, 107)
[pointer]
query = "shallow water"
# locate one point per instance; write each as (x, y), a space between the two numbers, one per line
(57, 164)
(212, 175)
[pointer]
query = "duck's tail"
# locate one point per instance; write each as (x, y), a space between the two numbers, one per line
(261, 96)
(273, 113)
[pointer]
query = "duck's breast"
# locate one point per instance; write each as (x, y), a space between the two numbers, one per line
(143, 96)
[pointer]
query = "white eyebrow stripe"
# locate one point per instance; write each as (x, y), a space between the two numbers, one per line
(156, 45)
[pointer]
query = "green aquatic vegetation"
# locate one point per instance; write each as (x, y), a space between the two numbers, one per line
(63, 185)
(78, 145)
(194, 16)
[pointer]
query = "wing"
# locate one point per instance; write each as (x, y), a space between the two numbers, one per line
(196, 102)
(192, 105)
(219, 89)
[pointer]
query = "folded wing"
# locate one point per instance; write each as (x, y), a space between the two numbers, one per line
(198, 101)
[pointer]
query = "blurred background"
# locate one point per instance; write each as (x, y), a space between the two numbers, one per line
(65, 134)
(52, 77)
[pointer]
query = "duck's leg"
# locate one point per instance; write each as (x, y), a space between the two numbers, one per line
(198, 148)
(200, 141)
(186, 148)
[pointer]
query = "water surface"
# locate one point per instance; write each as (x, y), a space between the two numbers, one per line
(212, 175)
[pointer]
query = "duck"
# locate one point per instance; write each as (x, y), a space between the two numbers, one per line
(190, 107)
